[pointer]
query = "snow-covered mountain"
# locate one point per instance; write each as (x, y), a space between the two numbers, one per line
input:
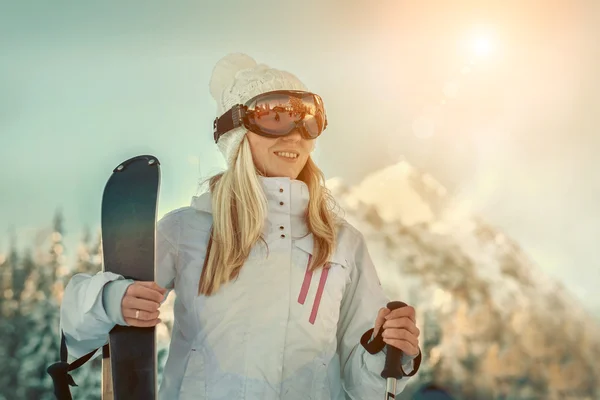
(494, 326)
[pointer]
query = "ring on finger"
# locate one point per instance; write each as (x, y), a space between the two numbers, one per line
(137, 314)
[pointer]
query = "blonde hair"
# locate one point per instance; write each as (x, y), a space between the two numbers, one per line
(239, 209)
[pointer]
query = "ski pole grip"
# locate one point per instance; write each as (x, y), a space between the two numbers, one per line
(393, 368)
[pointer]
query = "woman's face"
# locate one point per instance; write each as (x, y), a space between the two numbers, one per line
(280, 157)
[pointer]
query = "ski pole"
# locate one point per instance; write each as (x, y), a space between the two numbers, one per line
(392, 370)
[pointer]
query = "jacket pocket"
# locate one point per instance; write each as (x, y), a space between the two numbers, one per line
(321, 291)
(193, 385)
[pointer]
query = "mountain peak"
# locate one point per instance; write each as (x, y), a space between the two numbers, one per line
(484, 307)
(399, 193)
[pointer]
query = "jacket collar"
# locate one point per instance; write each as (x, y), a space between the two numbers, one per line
(287, 200)
(296, 193)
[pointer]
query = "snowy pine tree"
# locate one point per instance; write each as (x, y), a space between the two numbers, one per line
(162, 351)
(21, 273)
(7, 333)
(89, 376)
(31, 290)
(12, 319)
(89, 255)
(40, 302)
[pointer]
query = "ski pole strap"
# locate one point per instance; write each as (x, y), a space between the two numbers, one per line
(59, 372)
(377, 344)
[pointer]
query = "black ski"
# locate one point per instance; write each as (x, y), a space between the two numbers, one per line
(129, 206)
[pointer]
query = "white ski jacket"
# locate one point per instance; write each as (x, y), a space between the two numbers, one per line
(276, 332)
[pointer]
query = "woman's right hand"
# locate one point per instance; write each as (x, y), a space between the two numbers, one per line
(141, 302)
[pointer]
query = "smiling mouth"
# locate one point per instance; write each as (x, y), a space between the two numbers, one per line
(286, 154)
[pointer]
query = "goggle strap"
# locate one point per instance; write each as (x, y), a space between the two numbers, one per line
(228, 121)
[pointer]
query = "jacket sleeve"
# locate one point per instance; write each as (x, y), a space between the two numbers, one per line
(363, 298)
(83, 318)
(167, 244)
(91, 305)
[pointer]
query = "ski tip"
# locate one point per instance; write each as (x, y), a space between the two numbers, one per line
(150, 159)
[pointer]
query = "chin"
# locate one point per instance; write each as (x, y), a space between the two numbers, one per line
(291, 176)
(282, 174)
(279, 171)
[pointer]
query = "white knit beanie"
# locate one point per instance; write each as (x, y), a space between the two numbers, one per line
(237, 78)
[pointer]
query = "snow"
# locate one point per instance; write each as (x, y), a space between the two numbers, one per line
(485, 308)
(386, 189)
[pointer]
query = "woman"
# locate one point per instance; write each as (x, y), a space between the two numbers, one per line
(278, 307)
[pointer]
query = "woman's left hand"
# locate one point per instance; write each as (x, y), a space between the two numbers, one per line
(399, 329)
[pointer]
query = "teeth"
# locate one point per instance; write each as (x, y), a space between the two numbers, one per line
(285, 154)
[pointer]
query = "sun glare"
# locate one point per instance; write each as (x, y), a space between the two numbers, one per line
(482, 45)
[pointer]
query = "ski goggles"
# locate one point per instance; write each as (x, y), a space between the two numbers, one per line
(276, 114)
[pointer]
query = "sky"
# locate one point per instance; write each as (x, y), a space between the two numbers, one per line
(498, 100)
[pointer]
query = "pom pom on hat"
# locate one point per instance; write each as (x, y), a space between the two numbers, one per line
(235, 79)
(224, 72)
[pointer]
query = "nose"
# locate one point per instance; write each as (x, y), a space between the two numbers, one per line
(293, 136)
